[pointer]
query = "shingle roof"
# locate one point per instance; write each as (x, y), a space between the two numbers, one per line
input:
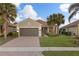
(73, 24)
(44, 23)
(29, 21)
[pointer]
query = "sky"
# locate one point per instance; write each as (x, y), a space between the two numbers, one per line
(42, 11)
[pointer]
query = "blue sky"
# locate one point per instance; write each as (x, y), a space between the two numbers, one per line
(41, 10)
(44, 9)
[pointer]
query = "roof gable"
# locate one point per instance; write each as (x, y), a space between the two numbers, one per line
(44, 23)
(29, 22)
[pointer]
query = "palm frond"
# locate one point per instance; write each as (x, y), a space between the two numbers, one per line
(73, 13)
(73, 6)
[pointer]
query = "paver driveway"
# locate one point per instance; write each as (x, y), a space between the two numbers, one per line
(23, 42)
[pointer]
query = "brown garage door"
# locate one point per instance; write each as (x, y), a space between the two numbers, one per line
(29, 31)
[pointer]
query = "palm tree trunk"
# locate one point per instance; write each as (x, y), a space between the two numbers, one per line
(5, 30)
(5, 26)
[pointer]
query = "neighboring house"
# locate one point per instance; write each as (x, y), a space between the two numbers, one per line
(72, 27)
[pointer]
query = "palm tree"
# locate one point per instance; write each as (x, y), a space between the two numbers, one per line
(73, 9)
(7, 11)
(55, 20)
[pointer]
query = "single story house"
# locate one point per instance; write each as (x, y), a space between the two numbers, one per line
(30, 27)
(72, 27)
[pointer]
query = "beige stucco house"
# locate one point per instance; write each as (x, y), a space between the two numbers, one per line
(29, 27)
(72, 27)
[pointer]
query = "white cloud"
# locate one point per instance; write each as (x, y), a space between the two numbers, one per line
(64, 7)
(76, 16)
(18, 19)
(27, 11)
(66, 22)
(16, 4)
(40, 18)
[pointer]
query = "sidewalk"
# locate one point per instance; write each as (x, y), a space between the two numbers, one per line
(32, 51)
(36, 49)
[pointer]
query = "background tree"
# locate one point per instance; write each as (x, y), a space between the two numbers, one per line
(7, 11)
(55, 20)
(73, 9)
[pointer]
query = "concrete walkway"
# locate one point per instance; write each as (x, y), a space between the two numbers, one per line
(21, 43)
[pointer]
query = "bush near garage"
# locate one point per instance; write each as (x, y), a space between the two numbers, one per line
(13, 34)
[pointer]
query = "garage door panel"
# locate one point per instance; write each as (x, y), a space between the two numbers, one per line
(29, 31)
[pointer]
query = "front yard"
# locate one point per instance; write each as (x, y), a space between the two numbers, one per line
(57, 41)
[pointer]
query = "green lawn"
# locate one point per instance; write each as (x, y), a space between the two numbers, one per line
(57, 41)
(61, 53)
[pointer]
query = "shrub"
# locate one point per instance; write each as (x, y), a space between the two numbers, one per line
(10, 34)
(13, 34)
(49, 34)
(66, 33)
(1, 35)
